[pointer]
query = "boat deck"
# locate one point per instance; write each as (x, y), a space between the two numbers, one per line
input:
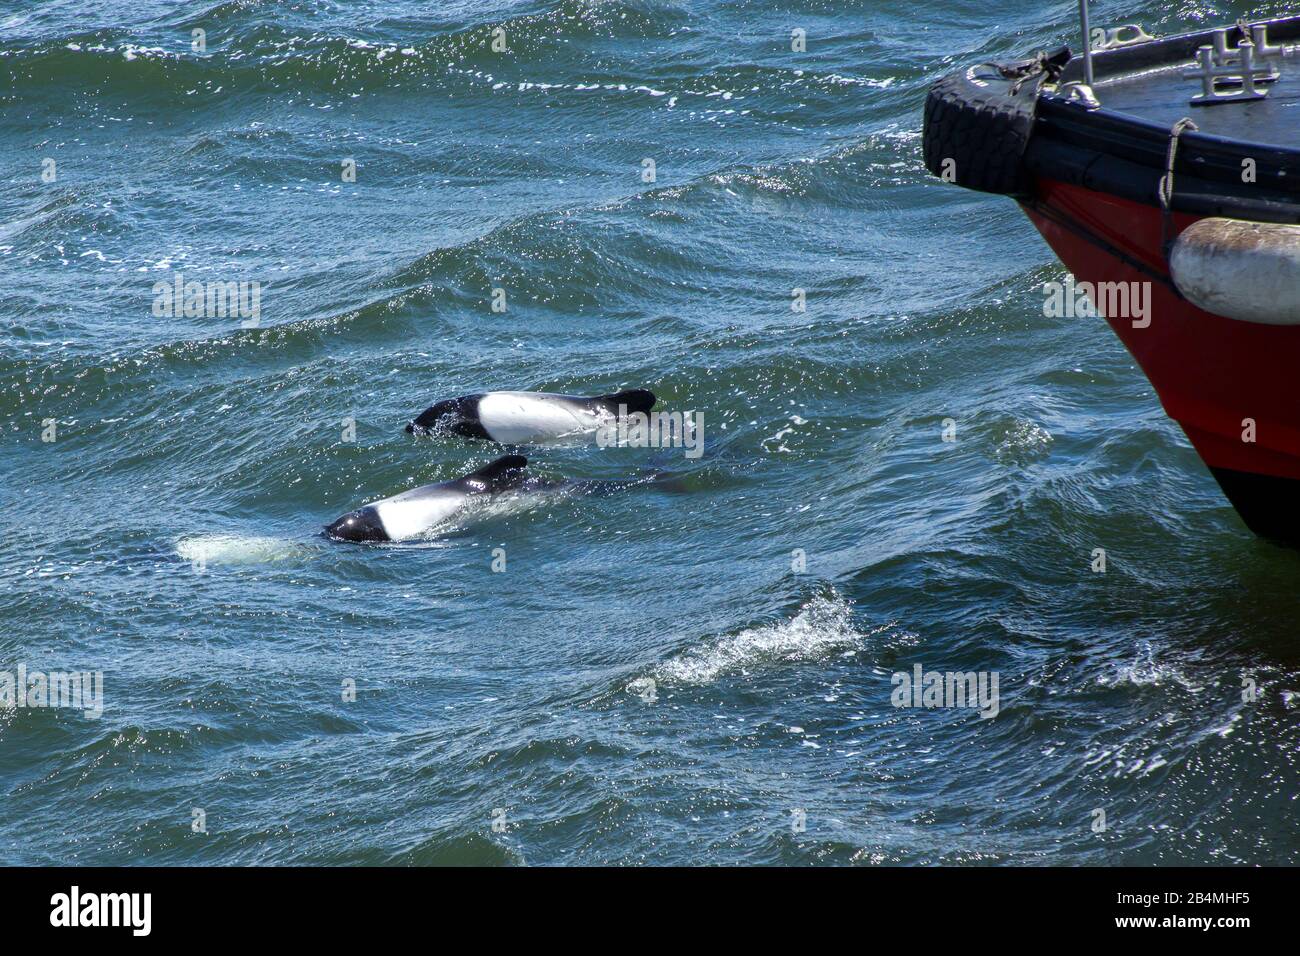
(1146, 81)
(1163, 95)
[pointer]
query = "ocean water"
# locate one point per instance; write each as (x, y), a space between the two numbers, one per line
(655, 677)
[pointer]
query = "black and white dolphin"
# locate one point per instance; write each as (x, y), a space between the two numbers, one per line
(516, 418)
(414, 513)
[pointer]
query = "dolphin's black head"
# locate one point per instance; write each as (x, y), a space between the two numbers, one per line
(458, 416)
(360, 525)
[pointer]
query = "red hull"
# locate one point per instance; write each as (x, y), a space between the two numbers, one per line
(1211, 373)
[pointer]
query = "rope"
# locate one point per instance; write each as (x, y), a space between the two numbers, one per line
(1167, 182)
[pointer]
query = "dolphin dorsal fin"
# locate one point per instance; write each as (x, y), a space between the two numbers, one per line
(633, 399)
(497, 474)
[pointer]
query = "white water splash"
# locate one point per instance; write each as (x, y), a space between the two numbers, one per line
(823, 626)
(237, 549)
(1023, 442)
(1147, 671)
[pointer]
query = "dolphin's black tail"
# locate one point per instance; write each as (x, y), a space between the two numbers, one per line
(670, 470)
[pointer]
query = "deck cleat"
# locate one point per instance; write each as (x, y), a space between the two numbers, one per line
(1230, 77)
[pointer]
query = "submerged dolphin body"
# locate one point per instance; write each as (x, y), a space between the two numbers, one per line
(413, 513)
(512, 418)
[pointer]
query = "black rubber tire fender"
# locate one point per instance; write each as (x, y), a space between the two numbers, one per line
(977, 125)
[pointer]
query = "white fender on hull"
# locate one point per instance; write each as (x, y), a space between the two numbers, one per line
(1248, 271)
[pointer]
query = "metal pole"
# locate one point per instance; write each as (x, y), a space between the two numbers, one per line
(1087, 42)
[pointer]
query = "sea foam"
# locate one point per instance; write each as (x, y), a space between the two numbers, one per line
(822, 627)
(237, 549)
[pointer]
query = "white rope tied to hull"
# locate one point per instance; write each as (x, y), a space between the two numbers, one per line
(1167, 181)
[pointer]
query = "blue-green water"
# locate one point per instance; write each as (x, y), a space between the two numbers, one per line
(521, 696)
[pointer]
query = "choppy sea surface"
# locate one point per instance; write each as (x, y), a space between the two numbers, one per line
(694, 671)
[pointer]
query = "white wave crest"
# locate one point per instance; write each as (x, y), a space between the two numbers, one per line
(1147, 671)
(821, 628)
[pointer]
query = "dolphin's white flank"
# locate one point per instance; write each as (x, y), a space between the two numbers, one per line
(516, 418)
